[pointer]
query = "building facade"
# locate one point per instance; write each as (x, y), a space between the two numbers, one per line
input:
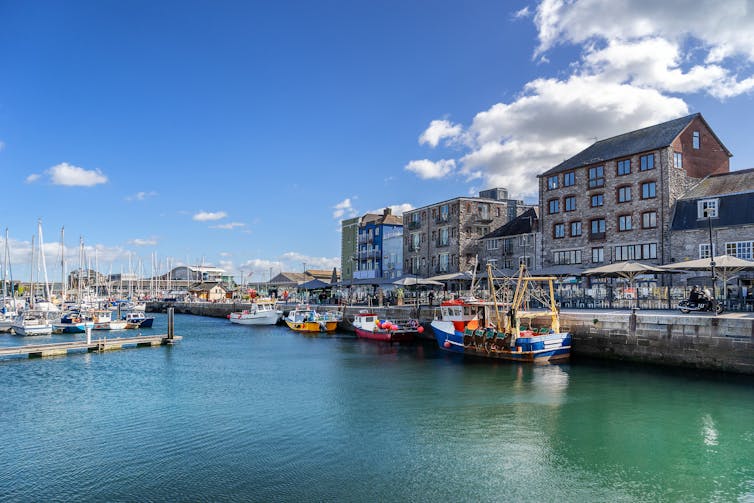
(614, 200)
(348, 247)
(445, 237)
(380, 247)
(512, 244)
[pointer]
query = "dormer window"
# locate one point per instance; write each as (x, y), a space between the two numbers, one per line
(706, 208)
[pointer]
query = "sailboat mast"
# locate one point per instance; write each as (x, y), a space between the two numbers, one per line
(48, 296)
(31, 280)
(10, 270)
(63, 281)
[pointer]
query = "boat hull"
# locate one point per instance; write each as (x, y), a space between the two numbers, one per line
(312, 326)
(71, 328)
(546, 348)
(35, 330)
(385, 336)
(265, 318)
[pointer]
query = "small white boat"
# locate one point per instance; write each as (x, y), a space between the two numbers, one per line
(32, 323)
(260, 313)
(103, 321)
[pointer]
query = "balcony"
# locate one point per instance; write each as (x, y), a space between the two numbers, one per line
(414, 248)
(442, 243)
(481, 219)
(596, 236)
(414, 224)
(441, 219)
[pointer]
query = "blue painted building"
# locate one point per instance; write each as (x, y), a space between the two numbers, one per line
(379, 253)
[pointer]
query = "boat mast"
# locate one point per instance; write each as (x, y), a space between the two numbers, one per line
(5, 269)
(10, 270)
(43, 261)
(491, 284)
(31, 280)
(63, 282)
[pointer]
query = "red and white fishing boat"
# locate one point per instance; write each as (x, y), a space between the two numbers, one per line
(370, 326)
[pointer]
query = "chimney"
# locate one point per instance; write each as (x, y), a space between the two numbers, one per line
(388, 211)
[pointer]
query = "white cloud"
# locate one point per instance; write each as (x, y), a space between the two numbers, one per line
(228, 226)
(439, 130)
(344, 209)
(397, 209)
(74, 176)
(206, 216)
(33, 178)
(2, 145)
(295, 261)
(523, 13)
(630, 74)
(143, 242)
(140, 196)
(427, 169)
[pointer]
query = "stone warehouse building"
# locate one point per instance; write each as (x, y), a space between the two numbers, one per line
(721, 203)
(614, 200)
(445, 237)
(513, 243)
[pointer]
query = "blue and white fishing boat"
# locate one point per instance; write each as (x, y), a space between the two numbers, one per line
(72, 322)
(514, 331)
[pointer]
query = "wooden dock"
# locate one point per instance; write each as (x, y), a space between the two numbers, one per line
(99, 345)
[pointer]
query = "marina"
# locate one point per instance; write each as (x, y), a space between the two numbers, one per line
(237, 413)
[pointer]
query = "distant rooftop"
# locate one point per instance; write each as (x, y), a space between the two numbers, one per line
(734, 182)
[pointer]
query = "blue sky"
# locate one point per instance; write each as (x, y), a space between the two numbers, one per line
(241, 133)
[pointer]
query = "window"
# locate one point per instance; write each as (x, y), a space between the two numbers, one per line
(492, 244)
(695, 140)
(569, 179)
(558, 231)
(624, 223)
(575, 229)
(416, 241)
(523, 240)
(443, 262)
(678, 160)
(597, 200)
(566, 257)
(598, 255)
(704, 250)
(570, 203)
(552, 182)
(647, 162)
(596, 176)
(624, 167)
(554, 206)
(444, 213)
(443, 236)
(740, 249)
(705, 208)
(624, 194)
(649, 220)
(598, 226)
(636, 252)
(648, 190)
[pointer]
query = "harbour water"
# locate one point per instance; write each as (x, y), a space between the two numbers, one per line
(238, 413)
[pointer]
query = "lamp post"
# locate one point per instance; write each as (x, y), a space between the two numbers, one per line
(711, 260)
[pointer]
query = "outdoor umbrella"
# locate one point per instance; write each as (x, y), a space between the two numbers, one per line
(725, 266)
(414, 281)
(453, 276)
(627, 270)
(314, 284)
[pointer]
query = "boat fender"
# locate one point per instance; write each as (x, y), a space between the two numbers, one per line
(413, 324)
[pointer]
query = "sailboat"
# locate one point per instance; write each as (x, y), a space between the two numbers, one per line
(7, 312)
(33, 321)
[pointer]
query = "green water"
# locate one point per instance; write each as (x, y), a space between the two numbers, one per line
(237, 413)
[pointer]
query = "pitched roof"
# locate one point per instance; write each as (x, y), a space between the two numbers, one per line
(385, 218)
(640, 140)
(522, 224)
(206, 287)
(733, 182)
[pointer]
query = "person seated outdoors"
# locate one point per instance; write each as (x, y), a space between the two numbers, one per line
(695, 295)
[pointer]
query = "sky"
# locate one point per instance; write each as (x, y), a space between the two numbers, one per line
(239, 134)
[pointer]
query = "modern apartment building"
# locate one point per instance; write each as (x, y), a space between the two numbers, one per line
(380, 247)
(614, 200)
(445, 237)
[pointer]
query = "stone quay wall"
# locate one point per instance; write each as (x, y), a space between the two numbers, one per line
(722, 343)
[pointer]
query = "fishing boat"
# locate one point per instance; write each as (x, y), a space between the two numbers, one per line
(307, 319)
(260, 313)
(102, 319)
(370, 326)
(526, 329)
(72, 322)
(138, 319)
(32, 322)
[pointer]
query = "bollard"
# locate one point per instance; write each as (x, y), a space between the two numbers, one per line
(171, 322)
(88, 334)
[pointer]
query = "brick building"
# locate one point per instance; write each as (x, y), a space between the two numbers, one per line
(445, 237)
(614, 200)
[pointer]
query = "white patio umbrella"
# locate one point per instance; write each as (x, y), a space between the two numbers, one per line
(628, 270)
(725, 266)
(414, 281)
